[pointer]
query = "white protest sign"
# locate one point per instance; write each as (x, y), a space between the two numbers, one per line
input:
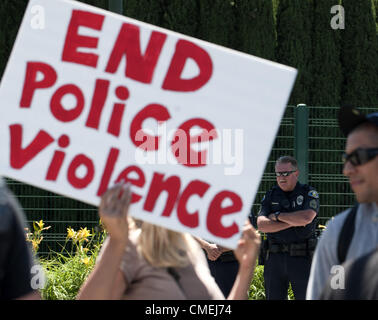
(90, 97)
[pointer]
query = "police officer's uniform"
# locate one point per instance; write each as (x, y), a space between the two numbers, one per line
(288, 253)
(224, 270)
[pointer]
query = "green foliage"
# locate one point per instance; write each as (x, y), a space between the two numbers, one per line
(257, 289)
(103, 4)
(179, 16)
(66, 271)
(327, 80)
(11, 13)
(375, 12)
(335, 66)
(294, 45)
(65, 276)
(150, 11)
(256, 28)
(359, 54)
(217, 22)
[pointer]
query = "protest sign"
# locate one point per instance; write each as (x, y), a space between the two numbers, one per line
(89, 98)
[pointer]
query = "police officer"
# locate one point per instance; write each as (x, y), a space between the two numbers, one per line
(222, 263)
(288, 217)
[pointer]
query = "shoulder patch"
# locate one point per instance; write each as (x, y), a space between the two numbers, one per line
(313, 204)
(313, 194)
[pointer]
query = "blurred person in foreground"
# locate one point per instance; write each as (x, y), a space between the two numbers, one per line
(16, 258)
(360, 280)
(354, 232)
(153, 263)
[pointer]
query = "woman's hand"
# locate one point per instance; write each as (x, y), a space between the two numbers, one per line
(106, 280)
(248, 247)
(246, 253)
(113, 211)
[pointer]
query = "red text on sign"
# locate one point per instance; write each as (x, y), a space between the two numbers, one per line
(139, 67)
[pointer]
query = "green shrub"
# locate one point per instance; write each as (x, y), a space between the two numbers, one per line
(257, 289)
(66, 271)
(65, 276)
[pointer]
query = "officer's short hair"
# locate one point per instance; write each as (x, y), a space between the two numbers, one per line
(288, 159)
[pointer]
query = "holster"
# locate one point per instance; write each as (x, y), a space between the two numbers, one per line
(227, 256)
(264, 252)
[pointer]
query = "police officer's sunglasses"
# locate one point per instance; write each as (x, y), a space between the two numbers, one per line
(284, 173)
(360, 156)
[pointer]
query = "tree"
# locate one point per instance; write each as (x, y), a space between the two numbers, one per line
(149, 11)
(218, 22)
(359, 54)
(11, 13)
(294, 45)
(375, 3)
(327, 76)
(103, 4)
(182, 16)
(256, 29)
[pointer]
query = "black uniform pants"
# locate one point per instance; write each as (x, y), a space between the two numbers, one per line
(281, 269)
(224, 273)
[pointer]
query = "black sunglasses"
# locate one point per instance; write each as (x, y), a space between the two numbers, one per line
(284, 173)
(360, 156)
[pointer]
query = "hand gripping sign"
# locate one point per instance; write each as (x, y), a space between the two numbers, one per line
(92, 98)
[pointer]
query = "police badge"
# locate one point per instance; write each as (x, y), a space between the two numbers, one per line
(299, 200)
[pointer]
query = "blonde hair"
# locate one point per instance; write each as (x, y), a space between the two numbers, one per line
(162, 247)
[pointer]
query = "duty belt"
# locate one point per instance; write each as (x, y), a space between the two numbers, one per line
(294, 249)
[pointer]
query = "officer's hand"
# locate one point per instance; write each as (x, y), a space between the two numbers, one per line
(213, 252)
(248, 247)
(272, 217)
(113, 211)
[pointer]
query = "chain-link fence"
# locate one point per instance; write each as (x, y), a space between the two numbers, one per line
(325, 146)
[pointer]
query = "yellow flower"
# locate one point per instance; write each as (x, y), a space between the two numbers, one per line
(83, 234)
(35, 243)
(85, 260)
(35, 246)
(71, 233)
(40, 224)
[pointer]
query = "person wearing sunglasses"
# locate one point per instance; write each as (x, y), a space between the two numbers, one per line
(352, 233)
(288, 217)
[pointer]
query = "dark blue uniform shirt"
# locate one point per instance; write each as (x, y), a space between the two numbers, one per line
(303, 197)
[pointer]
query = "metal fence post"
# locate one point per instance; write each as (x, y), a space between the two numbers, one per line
(301, 140)
(115, 6)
